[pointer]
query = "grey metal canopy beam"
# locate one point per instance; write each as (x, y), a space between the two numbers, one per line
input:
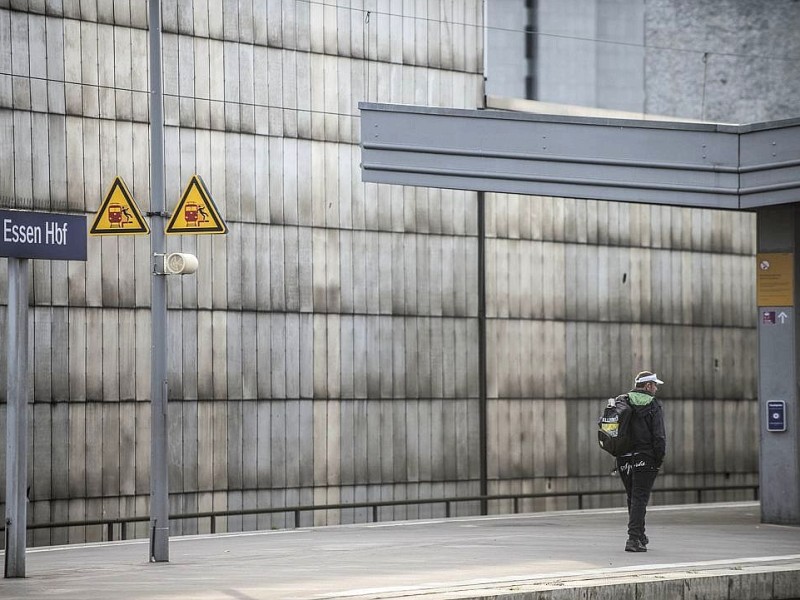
(683, 164)
(769, 164)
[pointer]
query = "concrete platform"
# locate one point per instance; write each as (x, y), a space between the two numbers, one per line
(699, 551)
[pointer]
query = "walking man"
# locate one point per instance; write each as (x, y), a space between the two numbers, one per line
(639, 467)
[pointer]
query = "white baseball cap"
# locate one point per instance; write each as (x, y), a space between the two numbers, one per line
(646, 377)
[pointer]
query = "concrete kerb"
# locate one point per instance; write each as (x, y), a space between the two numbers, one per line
(775, 581)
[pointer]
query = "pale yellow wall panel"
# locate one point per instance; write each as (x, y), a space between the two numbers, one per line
(400, 372)
(111, 454)
(89, 69)
(263, 424)
(186, 81)
(554, 266)
(320, 445)
(557, 219)
(58, 379)
(320, 356)
(531, 286)
(332, 79)
(72, 67)
(418, 436)
(106, 72)
(20, 60)
(40, 459)
(495, 417)
(364, 363)
(40, 349)
(7, 156)
(356, 463)
(22, 167)
(169, 13)
(40, 159)
(438, 349)
(6, 94)
(358, 376)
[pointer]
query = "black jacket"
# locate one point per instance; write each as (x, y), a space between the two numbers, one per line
(647, 426)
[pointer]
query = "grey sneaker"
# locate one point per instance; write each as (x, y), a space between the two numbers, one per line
(634, 545)
(644, 539)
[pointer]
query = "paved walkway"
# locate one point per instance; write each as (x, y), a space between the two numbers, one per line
(540, 553)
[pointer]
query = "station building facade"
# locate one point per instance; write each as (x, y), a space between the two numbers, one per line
(326, 351)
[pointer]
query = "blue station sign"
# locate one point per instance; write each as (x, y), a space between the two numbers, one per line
(53, 236)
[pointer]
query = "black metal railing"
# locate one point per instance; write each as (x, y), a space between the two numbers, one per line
(448, 502)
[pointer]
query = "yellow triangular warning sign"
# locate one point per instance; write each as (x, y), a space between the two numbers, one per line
(118, 214)
(196, 212)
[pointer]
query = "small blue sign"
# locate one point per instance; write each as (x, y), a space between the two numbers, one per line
(776, 415)
(51, 236)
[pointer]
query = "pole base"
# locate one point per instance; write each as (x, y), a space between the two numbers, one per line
(159, 544)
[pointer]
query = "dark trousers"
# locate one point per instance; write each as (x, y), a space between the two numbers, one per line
(638, 476)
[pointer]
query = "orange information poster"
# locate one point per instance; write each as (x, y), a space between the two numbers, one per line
(775, 279)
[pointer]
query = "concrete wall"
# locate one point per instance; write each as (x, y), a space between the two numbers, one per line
(730, 61)
(505, 56)
(326, 351)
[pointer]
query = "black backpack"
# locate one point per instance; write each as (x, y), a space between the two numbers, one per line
(613, 426)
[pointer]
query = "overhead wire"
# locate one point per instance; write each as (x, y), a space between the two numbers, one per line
(373, 13)
(178, 96)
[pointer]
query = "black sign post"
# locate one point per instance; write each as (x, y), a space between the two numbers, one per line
(25, 235)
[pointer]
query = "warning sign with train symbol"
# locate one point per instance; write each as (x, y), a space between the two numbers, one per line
(118, 213)
(196, 212)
